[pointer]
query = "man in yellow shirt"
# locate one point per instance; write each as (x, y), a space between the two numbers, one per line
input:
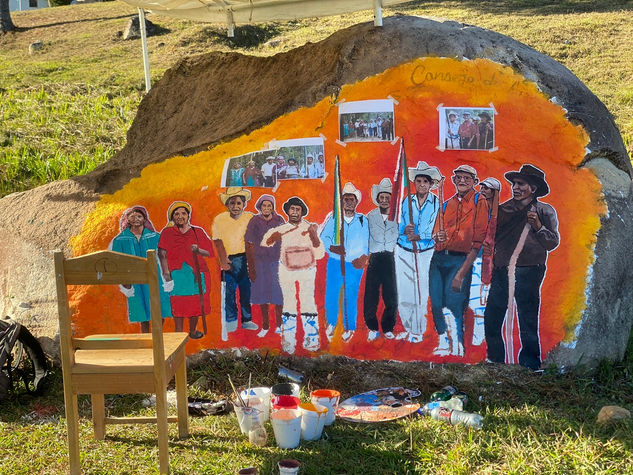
(227, 232)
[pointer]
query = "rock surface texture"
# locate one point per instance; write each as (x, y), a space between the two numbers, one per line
(194, 107)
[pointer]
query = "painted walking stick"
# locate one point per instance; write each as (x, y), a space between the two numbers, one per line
(339, 224)
(198, 279)
(509, 323)
(414, 244)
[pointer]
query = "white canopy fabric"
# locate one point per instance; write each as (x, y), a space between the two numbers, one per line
(234, 12)
(256, 11)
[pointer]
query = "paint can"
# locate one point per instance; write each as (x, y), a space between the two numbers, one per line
(288, 466)
(312, 420)
(287, 427)
(285, 402)
(290, 374)
(286, 389)
(328, 398)
(264, 394)
(246, 414)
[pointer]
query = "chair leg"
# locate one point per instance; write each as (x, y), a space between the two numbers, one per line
(72, 425)
(181, 399)
(98, 415)
(161, 421)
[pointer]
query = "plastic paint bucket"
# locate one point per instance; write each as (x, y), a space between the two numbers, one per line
(264, 394)
(285, 402)
(328, 398)
(288, 466)
(286, 389)
(287, 427)
(312, 420)
(246, 414)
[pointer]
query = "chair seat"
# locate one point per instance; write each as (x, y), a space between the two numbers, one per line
(125, 360)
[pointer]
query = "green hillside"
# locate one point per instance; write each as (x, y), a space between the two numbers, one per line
(66, 108)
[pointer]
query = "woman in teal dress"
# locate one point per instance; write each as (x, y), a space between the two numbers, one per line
(236, 174)
(136, 237)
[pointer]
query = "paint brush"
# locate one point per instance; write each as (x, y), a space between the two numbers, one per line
(248, 393)
(235, 391)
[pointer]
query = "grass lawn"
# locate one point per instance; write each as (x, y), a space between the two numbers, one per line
(533, 423)
(66, 109)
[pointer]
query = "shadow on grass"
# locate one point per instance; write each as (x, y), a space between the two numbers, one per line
(528, 7)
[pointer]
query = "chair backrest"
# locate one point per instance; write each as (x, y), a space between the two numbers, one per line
(105, 268)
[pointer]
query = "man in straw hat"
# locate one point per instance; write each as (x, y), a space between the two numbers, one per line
(459, 235)
(179, 249)
(300, 249)
(414, 250)
(381, 272)
(353, 250)
(527, 229)
(228, 232)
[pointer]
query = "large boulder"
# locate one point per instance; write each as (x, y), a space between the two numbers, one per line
(208, 99)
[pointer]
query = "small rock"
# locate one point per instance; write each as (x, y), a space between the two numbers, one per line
(133, 29)
(35, 46)
(612, 413)
(25, 305)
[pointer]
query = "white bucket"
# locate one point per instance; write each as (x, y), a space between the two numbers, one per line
(246, 414)
(328, 398)
(287, 427)
(264, 394)
(312, 420)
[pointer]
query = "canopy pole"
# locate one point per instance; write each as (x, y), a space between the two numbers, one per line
(377, 12)
(141, 21)
(229, 24)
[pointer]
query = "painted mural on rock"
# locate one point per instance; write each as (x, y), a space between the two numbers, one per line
(434, 212)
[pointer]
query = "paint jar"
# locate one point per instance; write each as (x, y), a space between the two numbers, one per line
(312, 420)
(288, 466)
(328, 398)
(245, 414)
(287, 427)
(286, 389)
(264, 394)
(285, 402)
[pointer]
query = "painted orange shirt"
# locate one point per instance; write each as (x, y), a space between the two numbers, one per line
(465, 223)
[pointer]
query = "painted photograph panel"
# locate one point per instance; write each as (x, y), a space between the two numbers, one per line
(467, 128)
(366, 121)
(298, 158)
(256, 169)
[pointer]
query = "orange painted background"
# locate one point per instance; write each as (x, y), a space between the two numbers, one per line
(528, 129)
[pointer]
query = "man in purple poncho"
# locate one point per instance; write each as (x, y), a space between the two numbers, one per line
(263, 262)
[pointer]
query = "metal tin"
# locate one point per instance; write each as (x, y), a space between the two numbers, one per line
(290, 374)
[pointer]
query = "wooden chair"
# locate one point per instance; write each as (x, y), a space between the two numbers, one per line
(118, 364)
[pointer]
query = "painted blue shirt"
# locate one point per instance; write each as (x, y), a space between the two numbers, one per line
(423, 220)
(356, 235)
(138, 305)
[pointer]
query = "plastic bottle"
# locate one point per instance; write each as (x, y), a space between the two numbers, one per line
(444, 394)
(453, 403)
(455, 417)
(257, 434)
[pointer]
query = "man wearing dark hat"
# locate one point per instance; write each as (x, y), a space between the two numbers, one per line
(527, 230)
(486, 132)
(300, 249)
